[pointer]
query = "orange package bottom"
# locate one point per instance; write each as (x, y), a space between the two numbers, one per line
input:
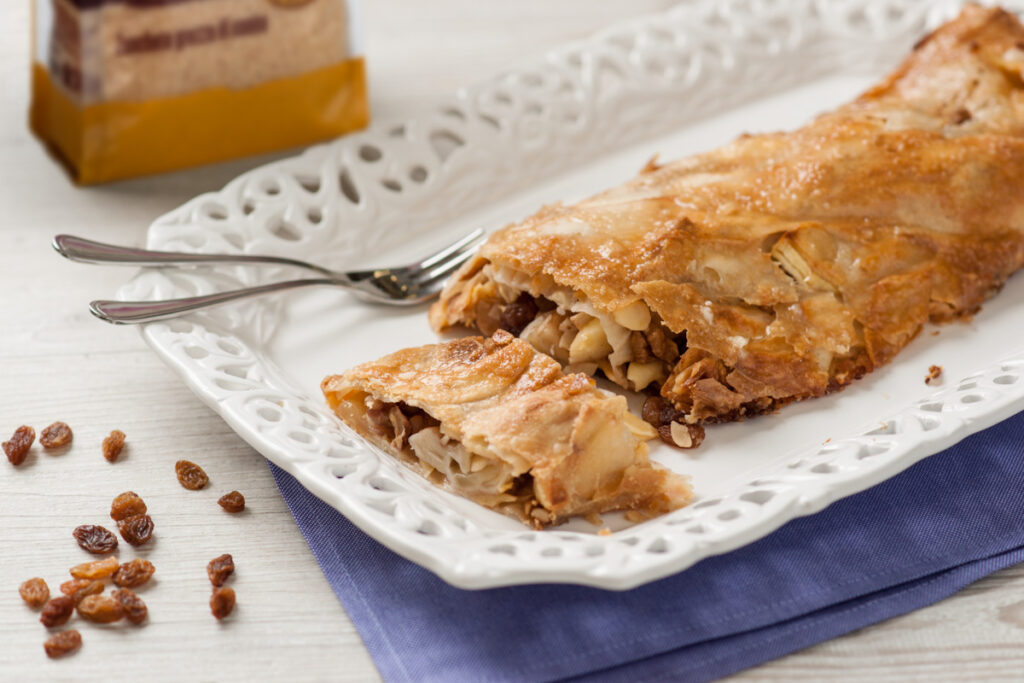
(123, 88)
(114, 140)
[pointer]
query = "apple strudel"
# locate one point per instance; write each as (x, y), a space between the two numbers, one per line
(782, 266)
(499, 423)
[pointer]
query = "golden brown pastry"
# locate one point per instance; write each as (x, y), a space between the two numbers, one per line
(499, 423)
(781, 266)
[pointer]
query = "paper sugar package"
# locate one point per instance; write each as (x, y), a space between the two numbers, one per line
(123, 88)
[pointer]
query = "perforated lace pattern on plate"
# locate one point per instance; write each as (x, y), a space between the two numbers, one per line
(631, 82)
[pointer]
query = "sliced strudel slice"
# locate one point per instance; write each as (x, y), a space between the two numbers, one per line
(498, 422)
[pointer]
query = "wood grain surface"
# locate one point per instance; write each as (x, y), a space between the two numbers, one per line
(57, 362)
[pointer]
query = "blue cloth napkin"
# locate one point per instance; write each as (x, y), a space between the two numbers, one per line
(911, 541)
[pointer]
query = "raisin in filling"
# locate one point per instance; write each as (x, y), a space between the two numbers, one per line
(398, 421)
(671, 423)
(514, 317)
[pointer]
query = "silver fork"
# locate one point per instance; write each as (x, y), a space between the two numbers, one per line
(404, 286)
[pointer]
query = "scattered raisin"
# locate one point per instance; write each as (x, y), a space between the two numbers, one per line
(35, 592)
(17, 448)
(56, 435)
(112, 445)
(72, 586)
(57, 611)
(191, 475)
(232, 502)
(136, 530)
(134, 573)
(95, 539)
(62, 643)
(126, 505)
(101, 609)
(222, 601)
(90, 588)
(100, 569)
(134, 608)
(219, 569)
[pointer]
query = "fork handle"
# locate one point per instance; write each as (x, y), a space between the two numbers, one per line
(87, 251)
(134, 312)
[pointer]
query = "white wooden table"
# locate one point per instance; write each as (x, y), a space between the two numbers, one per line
(57, 362)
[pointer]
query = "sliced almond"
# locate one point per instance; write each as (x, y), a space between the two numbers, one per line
(590, 344)
(635, 317)
(642, 374)
(639, 428)
(681, 435)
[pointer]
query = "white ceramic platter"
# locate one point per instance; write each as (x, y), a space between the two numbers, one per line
(582, 119)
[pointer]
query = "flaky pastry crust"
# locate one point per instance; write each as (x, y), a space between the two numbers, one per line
(498, 422)
(782, 266)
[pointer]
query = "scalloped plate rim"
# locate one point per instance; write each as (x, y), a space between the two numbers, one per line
(450, 563)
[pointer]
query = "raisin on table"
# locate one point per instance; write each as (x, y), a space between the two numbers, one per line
(232, 502)
(134, 573)
(95, 539)
(57, 611)
(72, 586)
(76, 589)
(17, 447)
(222, 601)
(62, 643)
(100, 569)
(134, 608)
(127, 504)
(220, 568)
(101, 609)
(112, 445)
(55, 436)
(90, 588)
(190, 475)
(34, 592)
(136, 530)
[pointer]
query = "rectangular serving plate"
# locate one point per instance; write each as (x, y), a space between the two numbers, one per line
(260, 364)
(327, 332)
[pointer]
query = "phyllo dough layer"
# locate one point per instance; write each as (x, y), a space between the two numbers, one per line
(781, 266)
(499, 423)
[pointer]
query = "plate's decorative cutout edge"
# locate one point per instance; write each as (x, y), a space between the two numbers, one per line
(638, 80)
